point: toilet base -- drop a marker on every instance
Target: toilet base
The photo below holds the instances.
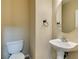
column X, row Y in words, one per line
column 27, row 56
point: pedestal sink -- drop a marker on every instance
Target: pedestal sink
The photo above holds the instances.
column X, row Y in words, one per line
column 62, row 46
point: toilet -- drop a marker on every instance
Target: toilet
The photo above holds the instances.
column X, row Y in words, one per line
column 15, row 49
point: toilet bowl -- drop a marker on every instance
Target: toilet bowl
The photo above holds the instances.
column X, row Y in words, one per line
column 15, row 48
column 17, row 56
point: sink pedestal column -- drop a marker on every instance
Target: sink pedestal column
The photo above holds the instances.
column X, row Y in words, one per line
column 60, row 54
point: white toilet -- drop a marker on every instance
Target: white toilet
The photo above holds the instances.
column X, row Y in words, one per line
column 15, row 48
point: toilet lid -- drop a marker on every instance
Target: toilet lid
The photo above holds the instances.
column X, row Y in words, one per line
column 17, row 56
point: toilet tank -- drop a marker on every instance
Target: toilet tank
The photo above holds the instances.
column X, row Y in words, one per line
column 15, row 46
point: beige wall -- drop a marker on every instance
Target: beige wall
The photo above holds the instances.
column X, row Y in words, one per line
column 68, row 24
column 72, row 36
column 29, row 14
column 43, row 33
column 68, row 15
column 57, row 6
column 40, row 35
column 15, row 13
column 73, row 55
column 32, row 28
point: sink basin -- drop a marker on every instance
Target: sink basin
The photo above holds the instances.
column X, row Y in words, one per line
column 62, row 46
column 59, row 44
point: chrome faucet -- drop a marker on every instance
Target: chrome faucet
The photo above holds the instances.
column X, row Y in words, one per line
column 63, row 39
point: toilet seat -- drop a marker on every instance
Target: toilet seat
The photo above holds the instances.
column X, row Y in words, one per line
column 17, row 56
